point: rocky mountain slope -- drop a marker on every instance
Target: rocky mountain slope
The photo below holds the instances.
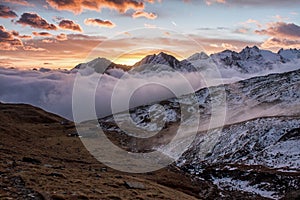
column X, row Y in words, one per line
column 260, row 156
column 257, row 151
column 42, row 158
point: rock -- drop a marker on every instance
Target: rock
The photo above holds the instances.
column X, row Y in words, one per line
column 64, row 122
column 103, row 169
column 134, row 185
column 57, row 197
column 31, row 160
column 82, row 197
column 73, row 134
column 57, row 174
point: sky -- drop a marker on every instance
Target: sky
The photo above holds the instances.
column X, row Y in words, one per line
column 62, row 33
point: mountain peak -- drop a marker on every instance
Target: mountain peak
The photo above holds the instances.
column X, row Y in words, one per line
column 289, row 54
column 250, row 52
column 198, row 56
column 162, row 54
column 161, row 58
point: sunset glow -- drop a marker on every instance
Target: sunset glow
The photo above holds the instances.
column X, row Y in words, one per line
column 52, row 34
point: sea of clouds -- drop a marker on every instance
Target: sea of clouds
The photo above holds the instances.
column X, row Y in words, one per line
column 52, row 90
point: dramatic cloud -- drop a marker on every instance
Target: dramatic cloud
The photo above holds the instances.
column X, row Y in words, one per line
column 77, row 6
column 99, row 22
column 8, row 40
column 42, row 34
column 147, row 15
column 6, row 12
column 35, row 21
column 281, row 30
column 69, row 25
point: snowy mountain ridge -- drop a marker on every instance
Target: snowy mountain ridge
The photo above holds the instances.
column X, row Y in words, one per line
column 248, row 60
column 257, row 151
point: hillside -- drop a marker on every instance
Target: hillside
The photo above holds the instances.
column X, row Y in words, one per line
column 41, row 158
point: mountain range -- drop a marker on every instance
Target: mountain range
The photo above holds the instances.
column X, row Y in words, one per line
column 248, row 60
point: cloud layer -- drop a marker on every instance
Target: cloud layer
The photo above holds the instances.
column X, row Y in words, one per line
column 53, row 90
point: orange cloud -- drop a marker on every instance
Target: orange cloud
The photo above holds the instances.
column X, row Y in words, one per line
column 280, row 43
column 147, row 15
column 99, row 22
column 210, row 2
column 31, row 48
column 8, row 40
column 72, row 49
column 252, row 21
column 77, row 6
column 6, row 12
column 150, row 25
column 63, row 53
column 42, row 34
column 48, row 40
column 25, row 36
column 281, row 30
column 167, row 33
column 283, row 35
column 20, row 2
column 61, row 37
column 35, row 21
column 241, row 30
column 69, row 25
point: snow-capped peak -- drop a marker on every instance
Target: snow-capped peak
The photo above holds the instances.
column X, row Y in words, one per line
column 198, row 56
column 98, row 64
column 289, row 54
column 161, row 58
column 250, row 52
